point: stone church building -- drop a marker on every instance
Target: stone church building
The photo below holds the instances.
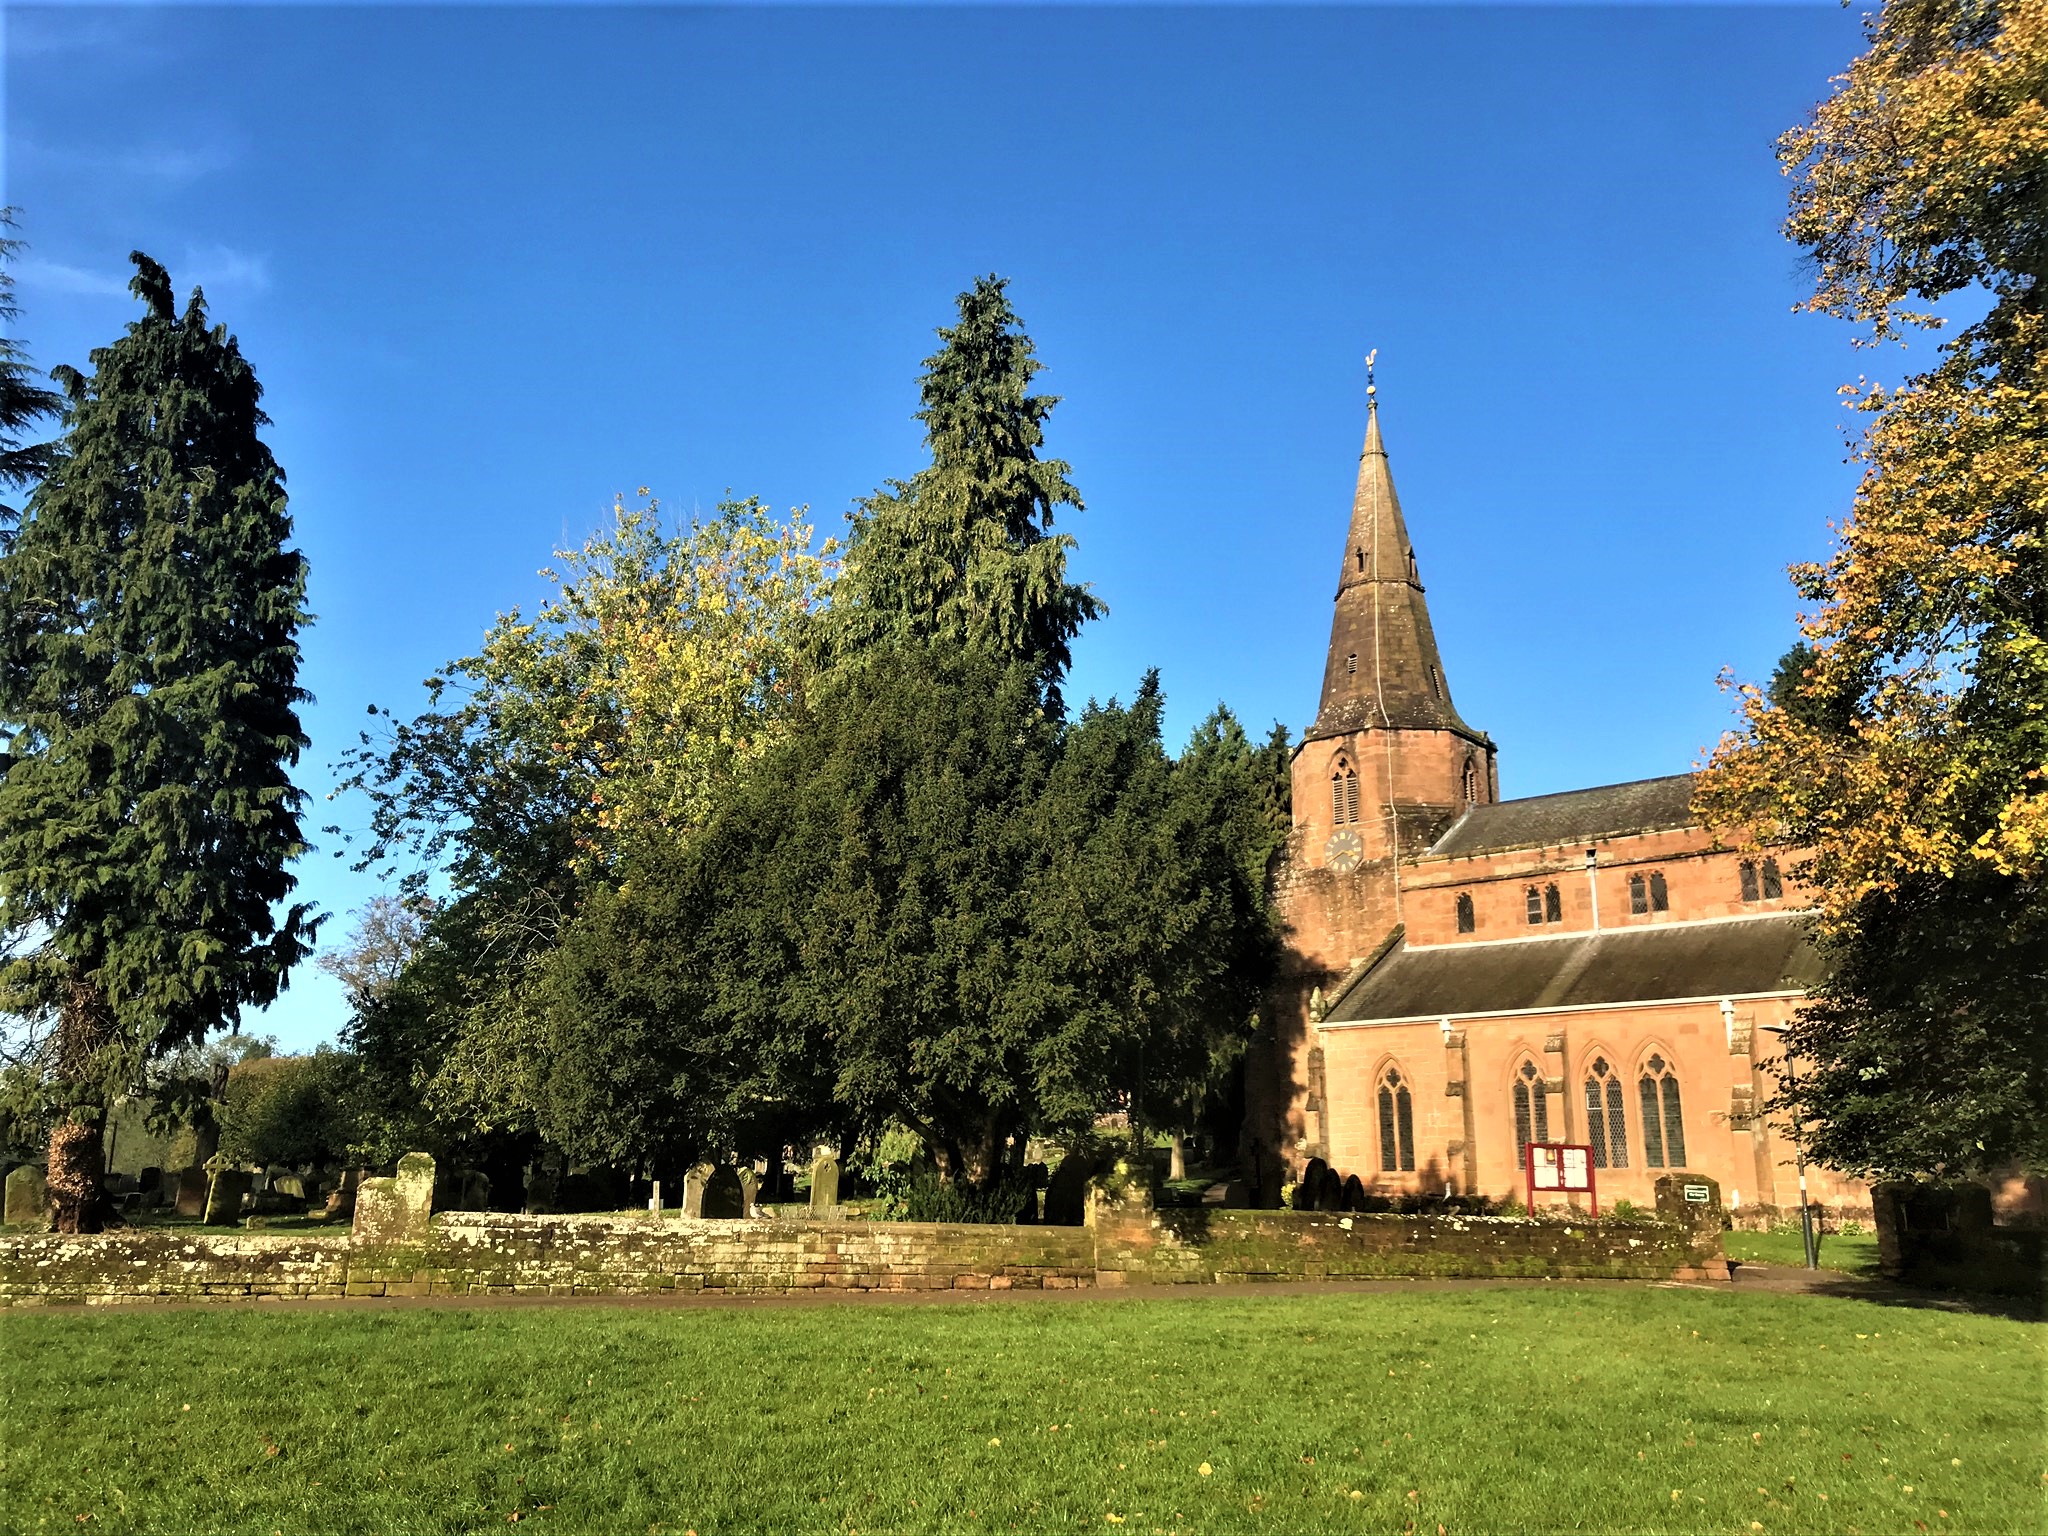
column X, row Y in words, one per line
column 1466, row 974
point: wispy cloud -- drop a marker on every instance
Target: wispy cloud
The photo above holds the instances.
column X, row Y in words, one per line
column 224, row 267
column 168, row 165
column 33, row 272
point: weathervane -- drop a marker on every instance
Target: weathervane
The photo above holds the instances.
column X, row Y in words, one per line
column 1371, row 389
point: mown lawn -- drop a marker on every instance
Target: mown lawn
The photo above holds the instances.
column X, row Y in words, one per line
column 1853, row 1253
column 1511, row 1409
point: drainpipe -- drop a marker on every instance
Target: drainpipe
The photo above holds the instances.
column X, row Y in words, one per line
column 1593, row 885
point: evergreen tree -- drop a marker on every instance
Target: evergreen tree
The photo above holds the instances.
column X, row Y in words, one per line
column 149, row 614
column 964, row 552
column 23, row 403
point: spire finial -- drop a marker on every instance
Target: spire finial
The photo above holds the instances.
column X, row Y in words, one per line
column 1372, row 389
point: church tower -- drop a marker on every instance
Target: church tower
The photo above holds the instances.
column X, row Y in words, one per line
column 1386, row 765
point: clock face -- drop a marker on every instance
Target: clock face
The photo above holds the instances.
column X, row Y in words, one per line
column 1345, row 851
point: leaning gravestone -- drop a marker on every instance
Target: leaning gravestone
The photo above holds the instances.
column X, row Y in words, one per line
column 290, row 1186
column 1308, row 1193
column 191, row 1192
column 224, row 1197
column 750, row 1191
column 693, row 1190
column 724, row 1199
column 396, row 1210
column 824, row 1187
column 28, row 1197
column 1066, row 1192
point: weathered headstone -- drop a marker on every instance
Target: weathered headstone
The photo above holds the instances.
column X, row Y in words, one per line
column 151, row 1186
column 824, row 1187
column 397, row 1210
column 693, row 1190
column 750, row 1191
column 289, row 1185
column 224, row 1196
column 724, row 1198
column 191, row 1192
column 1354, row 1193
column 1066, row 1192
column 28, row 1197
column 1309, row 1191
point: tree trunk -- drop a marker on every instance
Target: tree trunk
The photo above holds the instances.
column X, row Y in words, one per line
column 77, row 1157
column 75, row 1167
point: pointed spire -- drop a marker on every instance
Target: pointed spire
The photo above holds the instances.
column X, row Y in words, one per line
column 1384, row 669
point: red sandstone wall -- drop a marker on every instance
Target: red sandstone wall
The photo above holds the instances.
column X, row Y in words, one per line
column 1465, row 1134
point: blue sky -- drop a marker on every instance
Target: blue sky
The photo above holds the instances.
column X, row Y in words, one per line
column 496, row 265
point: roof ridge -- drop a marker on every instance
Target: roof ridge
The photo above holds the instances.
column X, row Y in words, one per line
column 1589, row 789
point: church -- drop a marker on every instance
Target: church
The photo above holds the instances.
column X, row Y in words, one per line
column 1465, row 975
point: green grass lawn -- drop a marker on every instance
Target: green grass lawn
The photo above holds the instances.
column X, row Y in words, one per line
column 1853, row 1253
column 1511, row 1409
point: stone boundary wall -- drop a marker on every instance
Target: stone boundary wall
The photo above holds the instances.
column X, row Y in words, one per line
column 482, row 1254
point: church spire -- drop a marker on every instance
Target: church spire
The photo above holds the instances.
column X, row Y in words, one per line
column 1384, row 670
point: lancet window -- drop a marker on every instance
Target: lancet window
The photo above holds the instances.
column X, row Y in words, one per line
column 1663, row 1116
column 1397, row 1124
column 1606, row 1120
column 1532, row 1110
column 1344, row 795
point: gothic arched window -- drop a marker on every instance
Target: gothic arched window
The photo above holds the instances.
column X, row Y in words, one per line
column 1535, row 905
column 1748, row 872
column 1532, row 1110
column 1663, row 1118
column 1471, row 784
column 1466, row 922
column 1397, row 1125
column 1343, row 795
column 1660, row 893
column 1638, row 896
column 1553, row 905
column 1774, row 884
column 1606, row 1123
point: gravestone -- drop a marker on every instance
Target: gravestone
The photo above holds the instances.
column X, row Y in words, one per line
column 1329, row 1190
column 28, row 1196
column 191, row 1192
column 1066, row 1192
column 1354, row 1193
column 151, row 1186
column 724, row 1198
column 1309, row 1191
column 397, row 1210
column 289, row 1185
column 824, row 1188
column 224, row 1197
column 693, row 1190
column 750, row 1191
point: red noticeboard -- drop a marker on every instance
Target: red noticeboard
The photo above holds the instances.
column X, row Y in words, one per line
column 1560, row 1168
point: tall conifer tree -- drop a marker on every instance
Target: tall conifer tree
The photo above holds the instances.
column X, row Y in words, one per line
column 149, row 614
column 964, row 553
column 23, row 402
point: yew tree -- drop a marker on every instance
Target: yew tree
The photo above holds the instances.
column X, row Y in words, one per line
column 1904, row 742
column 150, row 607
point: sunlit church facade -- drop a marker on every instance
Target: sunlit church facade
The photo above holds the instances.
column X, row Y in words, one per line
column 1467, row 974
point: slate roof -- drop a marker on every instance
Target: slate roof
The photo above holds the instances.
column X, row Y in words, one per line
column 1731, row 957
column 1575, row 816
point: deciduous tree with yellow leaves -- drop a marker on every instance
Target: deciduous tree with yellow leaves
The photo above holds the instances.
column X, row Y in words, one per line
column 1904, row 741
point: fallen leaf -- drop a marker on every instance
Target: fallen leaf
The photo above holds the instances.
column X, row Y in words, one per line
column 1205, row 1469
column 995, row 1440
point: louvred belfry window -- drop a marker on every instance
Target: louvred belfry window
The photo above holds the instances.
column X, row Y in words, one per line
column 1532, row 1110
column 1344, row 796
column 1606, row 1121
column 1397, row 1125
column 1663, row 1117
column 1471, row 782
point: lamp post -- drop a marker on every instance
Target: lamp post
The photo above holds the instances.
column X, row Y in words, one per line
column 1798, row 1152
